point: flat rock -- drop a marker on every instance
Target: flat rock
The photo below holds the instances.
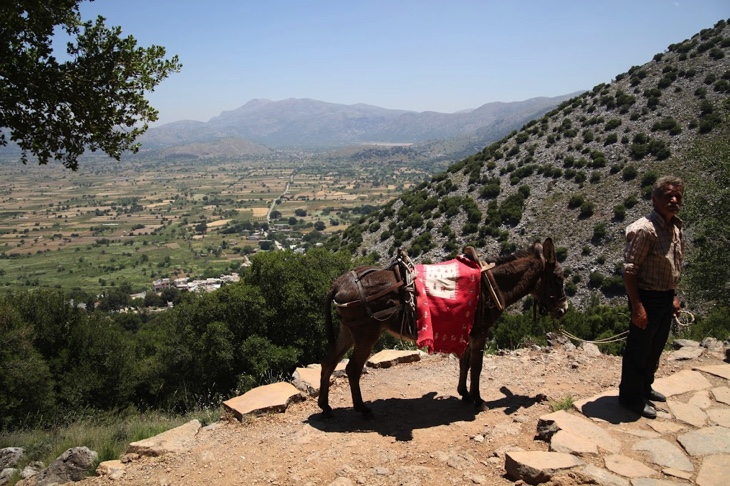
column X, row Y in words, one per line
column 268, row 398
column 721, row 394
column 534, row 467
column 179, row 439
column 683, row 343
column 665, row 427
column 637, row 432
column 706, row 441
column 663, row 453
column 669, row 471
column 564, row 441
column 389, row 357
column 604, row 477
column 714, row 471
column 627, row 467
column 654, row 482
column 687, row 413
column 720, row 416
column 307, row 380
column 701, row 399
column 604, row 407
column 681, row 382
column 723, row 371
column 112, row 469
column 683, row 354
column 584, row 428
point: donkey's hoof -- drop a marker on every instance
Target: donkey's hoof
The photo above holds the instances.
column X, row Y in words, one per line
column 366, row 412
column 326, row 411
column 466, row 399
column 481, row 406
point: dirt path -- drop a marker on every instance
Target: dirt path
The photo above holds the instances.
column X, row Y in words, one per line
column 422, row 433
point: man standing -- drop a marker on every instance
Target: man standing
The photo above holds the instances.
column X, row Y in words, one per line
column 652, row 262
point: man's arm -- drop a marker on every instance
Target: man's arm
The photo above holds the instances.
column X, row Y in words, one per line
column 638, row 313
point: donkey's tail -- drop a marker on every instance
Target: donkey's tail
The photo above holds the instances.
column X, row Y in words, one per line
column 329, row 328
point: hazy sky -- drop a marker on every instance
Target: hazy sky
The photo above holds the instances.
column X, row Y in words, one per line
column 419, row 55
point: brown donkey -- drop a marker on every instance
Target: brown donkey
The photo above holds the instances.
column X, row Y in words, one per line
column 371, row 300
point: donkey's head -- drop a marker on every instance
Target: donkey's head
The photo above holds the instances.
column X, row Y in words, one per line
column 549, row 293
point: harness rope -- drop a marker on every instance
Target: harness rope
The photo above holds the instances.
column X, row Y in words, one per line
column 680, row 323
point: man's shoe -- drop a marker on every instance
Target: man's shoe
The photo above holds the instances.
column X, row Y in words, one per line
column 655, row 396
column 640, row 408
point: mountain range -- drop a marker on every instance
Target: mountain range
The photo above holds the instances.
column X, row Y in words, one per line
column 261, row 126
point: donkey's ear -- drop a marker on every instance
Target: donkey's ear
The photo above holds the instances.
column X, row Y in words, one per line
column 548, row 250
column 471, row 253
column 537, row 249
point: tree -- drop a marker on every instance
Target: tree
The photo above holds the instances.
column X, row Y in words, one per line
column 707, row 214
column 94, row 100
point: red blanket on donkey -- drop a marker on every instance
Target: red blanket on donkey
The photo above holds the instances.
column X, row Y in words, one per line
column 447, row 300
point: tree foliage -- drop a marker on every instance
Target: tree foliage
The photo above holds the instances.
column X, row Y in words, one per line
column 56, row 109
column 707, row 214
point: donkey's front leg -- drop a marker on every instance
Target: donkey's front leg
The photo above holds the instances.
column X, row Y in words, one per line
column 476, row 343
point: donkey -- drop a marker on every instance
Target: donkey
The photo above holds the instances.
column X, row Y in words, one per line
column 370, row 301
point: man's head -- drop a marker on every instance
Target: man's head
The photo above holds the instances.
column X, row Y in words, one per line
column 667, row 196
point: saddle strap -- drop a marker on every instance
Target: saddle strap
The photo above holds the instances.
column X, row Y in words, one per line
column 494, row 291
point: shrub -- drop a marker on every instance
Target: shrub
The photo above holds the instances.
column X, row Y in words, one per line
column 619, row 212
column 576, row 200
column 586, row 209
column 630, row 172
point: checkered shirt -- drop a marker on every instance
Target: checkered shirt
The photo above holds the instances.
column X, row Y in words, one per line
column 653, row 251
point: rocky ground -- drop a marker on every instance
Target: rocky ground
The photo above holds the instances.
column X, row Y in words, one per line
column 422, row 433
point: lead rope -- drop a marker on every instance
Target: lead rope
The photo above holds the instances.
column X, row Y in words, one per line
column 680, row 322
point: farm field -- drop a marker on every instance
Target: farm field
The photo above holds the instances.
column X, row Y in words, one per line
column 116, row 223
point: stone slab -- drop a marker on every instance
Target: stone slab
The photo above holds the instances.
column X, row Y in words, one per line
column 583, row 428
column 534, row 467
column 721, row 394
column 701, row 399
column 177, row 440
column 663, row 453
column 677, row 473
column 627, row 467
column 706, row 441
column 723, row 371
column 564, row 441
column 665, row 427
column 654, row 482
column 603, row 477
column 268, row 398
column 307, row 380
column 684, row 354
column 113, row 469
column 389, row 357
column 720, row 416
column 687, row 413
column 714, row 471
column 681, row 382
column 604, row 407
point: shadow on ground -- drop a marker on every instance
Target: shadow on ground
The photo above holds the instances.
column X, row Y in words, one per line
column 399, row 417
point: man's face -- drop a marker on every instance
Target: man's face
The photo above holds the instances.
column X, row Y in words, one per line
column 669, row 201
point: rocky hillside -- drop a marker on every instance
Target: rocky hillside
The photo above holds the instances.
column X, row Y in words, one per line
column 579, row 174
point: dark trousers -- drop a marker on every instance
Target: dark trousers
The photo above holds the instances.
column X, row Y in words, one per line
column 644, row 346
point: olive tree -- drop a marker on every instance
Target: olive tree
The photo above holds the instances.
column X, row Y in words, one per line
column 55, row 105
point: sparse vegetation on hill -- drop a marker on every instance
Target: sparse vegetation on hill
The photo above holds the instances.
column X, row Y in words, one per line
column 579, row 173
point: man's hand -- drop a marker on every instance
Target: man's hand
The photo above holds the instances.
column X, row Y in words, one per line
column 638, row 316
column 677, row 306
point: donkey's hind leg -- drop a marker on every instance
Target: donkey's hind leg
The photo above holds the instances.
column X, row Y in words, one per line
column 343, row 343
column 464, row 363
column 365, row 340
